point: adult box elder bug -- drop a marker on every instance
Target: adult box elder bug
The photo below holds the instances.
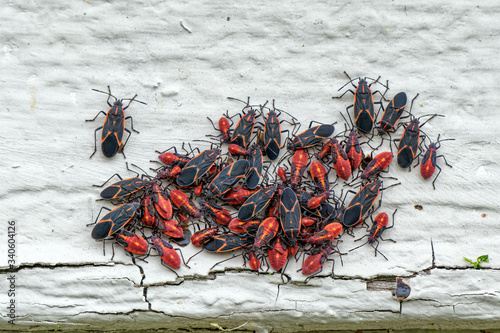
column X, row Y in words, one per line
column 410, row 141
column 363, row 105
column 115, row 220
column 113, row 127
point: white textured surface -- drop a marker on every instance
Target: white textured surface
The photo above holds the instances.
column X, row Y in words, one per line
column 54, row 52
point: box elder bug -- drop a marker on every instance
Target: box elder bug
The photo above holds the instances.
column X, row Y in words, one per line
column 363, row 105
column 429, row 161
column 290, row 215
column 378, row 164
column 243, row 130
column 311, row 136
column 227, row 178
column 113, row 127
column 256, row 203
column 197, row 167
column 410, row 141
column 361, row 203
column 392, row 113
column 115, row 220
column 375, row 232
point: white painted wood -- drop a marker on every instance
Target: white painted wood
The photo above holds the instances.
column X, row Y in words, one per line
column 184, row 59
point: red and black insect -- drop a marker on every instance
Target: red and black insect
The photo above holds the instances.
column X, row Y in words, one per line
column 267, row 230
column 161, row 201
column 131, row 242
column 290, row 215
column 114, row 126
column 375, row 232
column 236, row 150
column 256, row 203
column 226, row 243
column 123, row 187
column 169, row 256
column 168, row 174
column 429, row 162
column 272, row 134
column 392, row 113
column 241, row 227
column 255, row 171
column 311, row 136
column 361, row 203
column 203, row 236
column 197, row 167
column 115, row 220
column 353, row 150
column 216, row 212
column 243, row 130
column 277, row 254
column 149, row 216
column 228, row 177
column 315, row 261
column 378, row 164
column 300, row 160
column 363, row 105
column 182, row 201
column 173, row 159
column 170, row 228
column 224, row 129
column 410, row 142
column 326, row 235
column 238, row 195
column 340, row 160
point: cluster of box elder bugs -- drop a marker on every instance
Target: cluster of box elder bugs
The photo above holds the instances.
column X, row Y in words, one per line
column 273, row 195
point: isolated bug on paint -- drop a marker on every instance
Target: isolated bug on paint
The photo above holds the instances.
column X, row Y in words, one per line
column 429, row 161
column 375, row 232
column 115, row 220
column 113, row 127
column 363, row 105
